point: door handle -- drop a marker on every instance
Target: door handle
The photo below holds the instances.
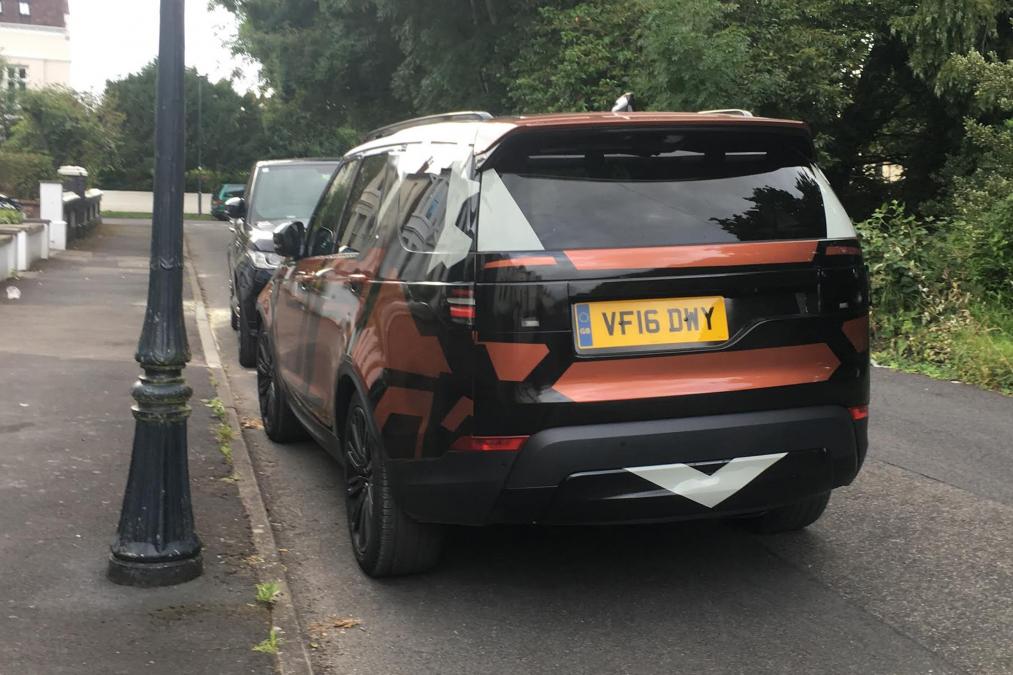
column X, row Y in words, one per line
column 355, row 282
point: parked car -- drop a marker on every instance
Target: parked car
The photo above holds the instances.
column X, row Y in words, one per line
column 224, row 193
column 583, row 318
column 9, row 203
column 282, row 190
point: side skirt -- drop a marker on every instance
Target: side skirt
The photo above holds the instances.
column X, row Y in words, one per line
column 325, row 437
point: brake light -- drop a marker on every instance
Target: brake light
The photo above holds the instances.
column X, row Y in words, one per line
column 489, row 443
column 461, row 303
column 859, row 412
column 838, row 249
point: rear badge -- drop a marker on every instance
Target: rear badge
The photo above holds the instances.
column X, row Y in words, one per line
column 707, row 490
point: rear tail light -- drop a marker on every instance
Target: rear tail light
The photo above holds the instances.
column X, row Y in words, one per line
column 859, row 412
column 489, row 443
column 461, row 303
column 842, row 249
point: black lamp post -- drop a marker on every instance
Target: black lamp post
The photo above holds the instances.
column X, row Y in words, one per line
column 156, row 544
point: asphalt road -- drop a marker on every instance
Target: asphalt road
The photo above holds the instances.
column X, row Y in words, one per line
column 909, row 571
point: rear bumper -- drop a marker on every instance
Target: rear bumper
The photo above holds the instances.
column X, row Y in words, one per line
column 642, row 471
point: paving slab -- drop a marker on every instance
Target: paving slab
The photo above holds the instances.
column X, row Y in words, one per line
column 66, row 369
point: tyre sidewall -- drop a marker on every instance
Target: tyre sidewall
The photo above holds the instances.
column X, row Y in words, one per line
column 368, row 558
column 247, row 339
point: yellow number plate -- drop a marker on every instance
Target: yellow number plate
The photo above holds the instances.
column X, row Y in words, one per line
column 629, row 324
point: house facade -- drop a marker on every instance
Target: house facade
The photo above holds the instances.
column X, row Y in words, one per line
column 34, row 43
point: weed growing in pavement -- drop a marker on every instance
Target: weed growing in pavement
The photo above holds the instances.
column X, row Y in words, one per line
column 268, row 592
column 223, row 432
column 216, row 407
column 270, row 644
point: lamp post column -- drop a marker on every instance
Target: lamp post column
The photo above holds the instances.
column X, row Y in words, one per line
column 155, row 543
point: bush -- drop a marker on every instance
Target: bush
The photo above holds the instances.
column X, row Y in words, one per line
column 929, row 312
column 984, row 242
column 10, row 217
column 20, row 173
column 916, row 299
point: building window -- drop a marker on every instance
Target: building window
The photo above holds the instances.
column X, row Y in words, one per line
column 25, row 8
column 17, row 78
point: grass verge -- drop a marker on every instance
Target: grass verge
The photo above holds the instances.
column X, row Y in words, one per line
column 979, row 352
column 145, row 216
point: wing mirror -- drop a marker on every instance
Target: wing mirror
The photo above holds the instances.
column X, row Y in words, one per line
column 235, row 207
column 288, row 239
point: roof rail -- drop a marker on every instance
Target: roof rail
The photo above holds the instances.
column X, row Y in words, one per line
column 460, row 116
column 727, row 111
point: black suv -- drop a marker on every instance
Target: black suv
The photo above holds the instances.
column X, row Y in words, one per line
column 278, row 191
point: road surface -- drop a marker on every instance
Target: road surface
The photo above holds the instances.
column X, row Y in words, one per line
column 909, row 571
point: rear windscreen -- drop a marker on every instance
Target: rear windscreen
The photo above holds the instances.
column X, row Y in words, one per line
column 650, row 187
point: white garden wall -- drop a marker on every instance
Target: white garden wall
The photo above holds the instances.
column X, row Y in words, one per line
column 140, row 202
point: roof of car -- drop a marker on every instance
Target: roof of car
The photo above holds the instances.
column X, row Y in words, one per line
column 608, row 118
column 300, row 160
column 484, row 133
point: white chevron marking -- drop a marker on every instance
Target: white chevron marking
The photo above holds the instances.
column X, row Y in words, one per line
column 711, row 490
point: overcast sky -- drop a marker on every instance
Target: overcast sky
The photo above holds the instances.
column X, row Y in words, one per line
column 113, row 38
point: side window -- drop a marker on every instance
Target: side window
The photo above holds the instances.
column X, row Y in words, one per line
column 423, row 206
column 438, row 195
column 359, row 225
column 324, row 226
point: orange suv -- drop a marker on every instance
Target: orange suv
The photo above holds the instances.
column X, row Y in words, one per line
column 584, row 318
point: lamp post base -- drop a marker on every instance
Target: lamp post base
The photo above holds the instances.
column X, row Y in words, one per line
column 152, row 574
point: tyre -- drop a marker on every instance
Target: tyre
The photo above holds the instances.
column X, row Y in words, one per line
column 385, row 540
column 233, row 311
column 247, row 339
column 791, row 517
column 280, row 423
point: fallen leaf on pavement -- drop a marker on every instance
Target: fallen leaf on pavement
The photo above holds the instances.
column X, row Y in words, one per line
column 320, row 629
column 347, row 622
column 252, row 423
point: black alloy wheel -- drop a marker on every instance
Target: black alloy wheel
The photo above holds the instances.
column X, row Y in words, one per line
column 280, row 423
column 359, row 480
column 386, row 541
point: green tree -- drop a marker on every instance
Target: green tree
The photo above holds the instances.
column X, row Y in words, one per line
column 862, row 74
column 326, row 64
column 578, row 58
column 339, row 64
column 68, row 128
column 223, row 128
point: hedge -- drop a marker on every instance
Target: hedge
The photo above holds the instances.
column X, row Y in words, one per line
column 20, row 173
column 10, row 217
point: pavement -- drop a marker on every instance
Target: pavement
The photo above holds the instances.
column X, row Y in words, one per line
column 66, row 358
column 909, row 571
